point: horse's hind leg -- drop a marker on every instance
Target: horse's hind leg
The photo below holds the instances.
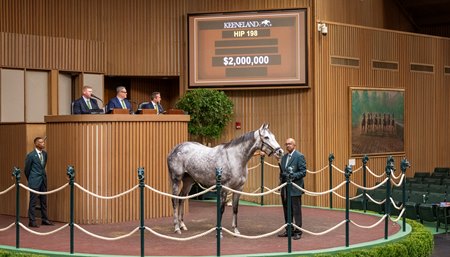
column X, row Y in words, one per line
column 235, row 212
column 187, row 185
column 175, row 205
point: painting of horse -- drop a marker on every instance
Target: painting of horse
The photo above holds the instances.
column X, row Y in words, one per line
column 192, row 162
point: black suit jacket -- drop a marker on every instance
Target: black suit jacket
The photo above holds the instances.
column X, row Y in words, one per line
column 80, row 106
column 298, row 165
column 35, row 170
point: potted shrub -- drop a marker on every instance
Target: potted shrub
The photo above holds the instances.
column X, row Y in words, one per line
column 210, row 112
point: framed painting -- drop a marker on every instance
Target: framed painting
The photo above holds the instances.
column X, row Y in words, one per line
column 377, row 121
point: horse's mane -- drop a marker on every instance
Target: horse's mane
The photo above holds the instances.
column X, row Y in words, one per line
column 237, row 141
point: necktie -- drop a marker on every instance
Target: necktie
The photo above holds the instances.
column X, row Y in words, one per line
column 41, row 158
column 156, row 107
column 89, row 103
column 288, row 159
column 123, row 104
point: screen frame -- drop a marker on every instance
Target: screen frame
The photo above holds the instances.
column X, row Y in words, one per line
column 262, row 84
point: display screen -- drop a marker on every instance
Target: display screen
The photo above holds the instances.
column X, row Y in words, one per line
column 242, row 49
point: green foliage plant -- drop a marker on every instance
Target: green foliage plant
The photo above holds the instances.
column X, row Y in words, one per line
column 419, row 243
column 210, row 111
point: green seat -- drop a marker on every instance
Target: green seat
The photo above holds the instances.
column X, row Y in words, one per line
column 421, row 174
column 432, row 180
column 415, row 198
column 427, row 210
column 397, row 196
column 442, row 170
column 439, row 175
column 418, row 187
column 443, row 217
column 358, row 203
column 413, row 180
column 446, row 181
column 432, row 188
column 378, row 195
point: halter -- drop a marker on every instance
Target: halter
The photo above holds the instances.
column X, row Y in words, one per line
column 272, row 150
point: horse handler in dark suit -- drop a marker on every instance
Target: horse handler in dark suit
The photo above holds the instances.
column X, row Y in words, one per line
column 35, row 163
column 295, row 160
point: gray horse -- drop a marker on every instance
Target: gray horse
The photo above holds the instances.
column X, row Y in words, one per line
column 191, row 162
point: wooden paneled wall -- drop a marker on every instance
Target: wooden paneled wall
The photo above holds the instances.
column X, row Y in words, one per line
column 137, row 37
column 44, row 52
column 16, row 141
column 371, row 13
column 427, row 112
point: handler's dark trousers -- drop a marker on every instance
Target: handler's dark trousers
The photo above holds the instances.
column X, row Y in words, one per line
column 296, row 209
column 42, row 200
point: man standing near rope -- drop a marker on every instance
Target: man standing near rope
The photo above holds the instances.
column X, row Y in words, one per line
column 35, row 163
column 295, row 160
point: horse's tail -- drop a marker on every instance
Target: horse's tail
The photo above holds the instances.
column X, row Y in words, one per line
column 173, row 164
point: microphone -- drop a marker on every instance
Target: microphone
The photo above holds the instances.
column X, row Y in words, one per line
column 96, row 97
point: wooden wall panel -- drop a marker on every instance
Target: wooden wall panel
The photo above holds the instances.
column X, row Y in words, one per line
column 371, row 13
column 116, row 37
column 43, row 52
column 17, row 141
column 14, row 139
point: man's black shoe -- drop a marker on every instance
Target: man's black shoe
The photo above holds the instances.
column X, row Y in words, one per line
column 284, row 234
column 33, row 224
column 47, row 223
column 297, row 236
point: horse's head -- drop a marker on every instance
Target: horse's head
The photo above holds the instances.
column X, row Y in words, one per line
column 269, row 144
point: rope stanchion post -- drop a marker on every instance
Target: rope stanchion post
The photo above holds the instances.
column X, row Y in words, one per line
column 141, row 177
column 219, row 209
column 330, row 167
column 387, row 203
column 16, row 173
column 364, row 161
column 403, row 166
column 348, row 172
column 71, row 175
column 289, row 210
column 262, row 179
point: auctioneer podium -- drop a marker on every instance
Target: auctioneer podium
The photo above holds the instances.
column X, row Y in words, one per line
column 106, row 151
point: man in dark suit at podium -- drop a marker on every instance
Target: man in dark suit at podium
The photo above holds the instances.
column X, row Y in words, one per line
column 120, row 101
column 85, row 103
column 155, row 103
column 35, row 163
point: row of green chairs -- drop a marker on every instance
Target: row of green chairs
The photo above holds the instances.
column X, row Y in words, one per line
column 422, row 205
column 429, row 180
column 430, row 188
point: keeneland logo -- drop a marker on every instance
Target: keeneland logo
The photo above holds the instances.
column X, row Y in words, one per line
column 246, row 24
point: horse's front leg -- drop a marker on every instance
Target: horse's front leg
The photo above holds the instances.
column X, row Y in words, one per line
column 235, row 212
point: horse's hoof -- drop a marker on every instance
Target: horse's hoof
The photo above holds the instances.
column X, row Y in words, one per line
column 177, row 231
column 184, row 228
column 236, row 231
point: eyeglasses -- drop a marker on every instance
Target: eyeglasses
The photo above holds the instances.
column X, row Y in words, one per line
column 125, row 92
